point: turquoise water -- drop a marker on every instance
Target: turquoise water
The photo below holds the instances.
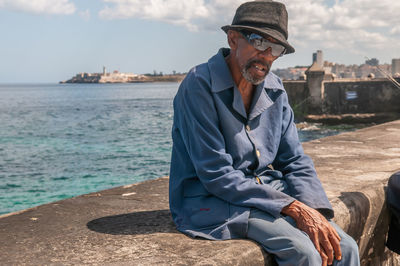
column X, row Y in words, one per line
column 62, row 140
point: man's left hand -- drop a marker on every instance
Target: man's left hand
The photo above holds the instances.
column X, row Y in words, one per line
column 324, row 236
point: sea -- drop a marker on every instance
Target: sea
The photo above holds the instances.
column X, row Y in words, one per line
column 62, row 140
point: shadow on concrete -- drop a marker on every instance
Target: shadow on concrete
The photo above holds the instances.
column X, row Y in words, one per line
column 146, row 222
column 359, row 206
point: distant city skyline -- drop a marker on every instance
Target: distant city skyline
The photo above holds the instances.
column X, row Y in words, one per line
column 52, row 40
column 370, row 69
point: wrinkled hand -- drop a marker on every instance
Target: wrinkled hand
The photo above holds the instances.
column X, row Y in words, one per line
column 321, row 232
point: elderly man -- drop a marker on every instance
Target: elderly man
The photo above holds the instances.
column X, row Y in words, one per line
column 238, row 169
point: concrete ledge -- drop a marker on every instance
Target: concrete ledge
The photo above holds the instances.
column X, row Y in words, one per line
column 132, row 225
column 364, row 118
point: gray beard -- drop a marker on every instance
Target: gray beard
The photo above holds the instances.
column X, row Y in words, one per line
column 246, row 73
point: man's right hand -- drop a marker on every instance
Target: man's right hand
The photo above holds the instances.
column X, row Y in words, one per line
column 324, row 236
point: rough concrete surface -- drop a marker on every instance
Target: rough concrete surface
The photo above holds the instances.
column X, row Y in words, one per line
column 131, row 225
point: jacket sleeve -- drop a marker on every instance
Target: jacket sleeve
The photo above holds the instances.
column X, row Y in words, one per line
column 198, row 124
column 298, row 168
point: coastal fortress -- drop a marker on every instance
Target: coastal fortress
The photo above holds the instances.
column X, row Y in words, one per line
column 119, row 77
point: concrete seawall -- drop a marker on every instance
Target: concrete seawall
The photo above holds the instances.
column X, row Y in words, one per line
column 316, row 96
column 131, row 225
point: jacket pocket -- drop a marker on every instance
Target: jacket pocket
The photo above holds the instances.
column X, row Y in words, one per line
column 202, row 209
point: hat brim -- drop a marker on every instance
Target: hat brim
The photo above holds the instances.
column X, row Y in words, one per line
column 265, row 32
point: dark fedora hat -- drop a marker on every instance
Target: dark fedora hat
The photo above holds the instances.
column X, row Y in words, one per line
column 263, row 17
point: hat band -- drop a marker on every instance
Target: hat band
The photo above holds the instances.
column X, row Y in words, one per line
column 261, row 26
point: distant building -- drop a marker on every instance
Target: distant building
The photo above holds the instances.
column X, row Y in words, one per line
column 291, row 73
column 372, row 62
column 396, row 67
column 363, row 70
column 371, row 69
column 348, row 75
column 318, row 57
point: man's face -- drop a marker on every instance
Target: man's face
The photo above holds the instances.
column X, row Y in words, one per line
column 254, row 64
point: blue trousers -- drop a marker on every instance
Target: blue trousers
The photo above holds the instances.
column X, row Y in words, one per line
column 291, row 246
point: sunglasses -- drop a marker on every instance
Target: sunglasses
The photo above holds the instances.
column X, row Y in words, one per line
column 262, row 44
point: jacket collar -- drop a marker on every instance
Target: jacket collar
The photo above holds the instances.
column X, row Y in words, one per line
column 221, row 78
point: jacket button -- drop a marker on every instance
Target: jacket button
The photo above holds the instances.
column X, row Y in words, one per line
column 258, row 153
column 247, row 128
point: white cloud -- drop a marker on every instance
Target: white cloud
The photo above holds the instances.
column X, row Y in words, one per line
column 357, row 25
column 56, row 7
column 192, row 14
column 352, row 25
column 395, row 30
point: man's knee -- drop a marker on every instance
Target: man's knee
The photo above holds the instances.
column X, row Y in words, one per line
column 304, row 253
column 349, row 250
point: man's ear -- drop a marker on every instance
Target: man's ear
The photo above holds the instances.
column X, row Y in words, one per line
column 232, row 39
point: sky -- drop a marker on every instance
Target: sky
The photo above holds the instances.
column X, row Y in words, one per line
column 52, row 40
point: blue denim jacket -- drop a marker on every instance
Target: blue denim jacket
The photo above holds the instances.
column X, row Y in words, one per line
column 222, row 158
